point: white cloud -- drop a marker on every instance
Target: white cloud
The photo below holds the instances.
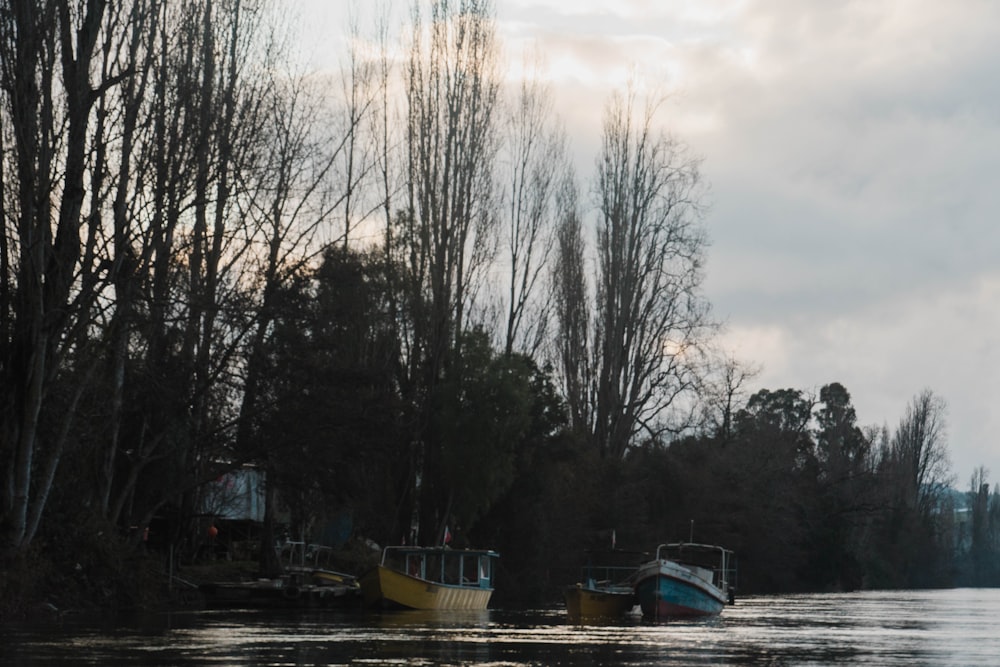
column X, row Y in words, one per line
column 852, row 159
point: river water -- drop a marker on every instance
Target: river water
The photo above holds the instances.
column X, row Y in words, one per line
column 947, row 627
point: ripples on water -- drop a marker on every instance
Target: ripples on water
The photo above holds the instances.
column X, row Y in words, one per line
column 953, row 627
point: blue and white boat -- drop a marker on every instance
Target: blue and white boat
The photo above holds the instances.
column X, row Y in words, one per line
column 686, row 579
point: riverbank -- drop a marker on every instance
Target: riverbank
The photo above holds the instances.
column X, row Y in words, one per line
column 51, row 583
column 37, row 585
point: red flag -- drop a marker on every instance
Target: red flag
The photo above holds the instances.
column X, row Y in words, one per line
column 447, row 535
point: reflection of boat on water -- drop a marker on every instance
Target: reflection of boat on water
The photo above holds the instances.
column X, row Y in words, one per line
column 406, row 619
column 606, row 590
column 431, row 578
column 686, row 579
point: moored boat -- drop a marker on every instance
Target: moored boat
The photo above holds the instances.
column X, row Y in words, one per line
column 606, row 590
column 304, row 589
column 431, row 578
column 686, row 579
column 595, row 601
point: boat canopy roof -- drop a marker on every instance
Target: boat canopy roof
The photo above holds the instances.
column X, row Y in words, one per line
column 677, row 550
column 693, row 546
column 615, row 557
column 430, row 551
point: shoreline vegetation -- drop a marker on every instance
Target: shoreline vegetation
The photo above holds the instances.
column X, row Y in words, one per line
column 86, row 572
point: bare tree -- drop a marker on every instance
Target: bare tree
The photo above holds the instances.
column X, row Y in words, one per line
column 920, row 453
column 723, row 392
column 296, row 194
column 451, row 90
column 357, row 158
column 149, row 212
column 139, row 28
column 534, row 159
column 157, row 185
column 572, row 310
column 651, row 317
column 50, row 52
column 384, row 139
column 197, row 150
column 228, row 117
column 982, row 543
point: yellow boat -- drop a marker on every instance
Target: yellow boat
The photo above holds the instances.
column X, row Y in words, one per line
column 597, row 601
column 606, row 590
column 431, row 578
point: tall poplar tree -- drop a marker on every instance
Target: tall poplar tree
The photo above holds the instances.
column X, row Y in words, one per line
column 452, row 86
column 651, row 316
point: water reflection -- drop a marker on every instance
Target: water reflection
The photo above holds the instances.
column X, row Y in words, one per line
column 958, row 627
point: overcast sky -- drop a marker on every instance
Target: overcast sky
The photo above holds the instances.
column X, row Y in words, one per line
column 852, row 149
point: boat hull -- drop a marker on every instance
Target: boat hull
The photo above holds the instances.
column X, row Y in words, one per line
column 583, row 603
column 666, row 589
column 386, row 587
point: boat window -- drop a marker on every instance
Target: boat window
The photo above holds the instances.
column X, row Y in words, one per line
column 395, row 560
column 484, row 568
column 452, row 569
column 434, row 570
column 413, row 562
column 470, row 569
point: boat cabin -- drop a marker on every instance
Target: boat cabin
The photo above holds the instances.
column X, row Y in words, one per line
column 710, row 563
column 441, row 565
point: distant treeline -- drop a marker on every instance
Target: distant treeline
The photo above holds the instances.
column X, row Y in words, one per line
column 384, row 291
column 807, row 499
